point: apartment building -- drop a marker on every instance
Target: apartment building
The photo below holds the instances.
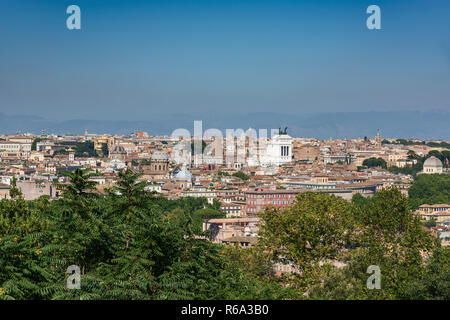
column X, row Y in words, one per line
column 257, row 200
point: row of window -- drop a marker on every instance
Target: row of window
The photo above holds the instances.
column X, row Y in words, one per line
column 15, row 147
column 206, row 195
column 272, row 202
column 439, row 209
column 272, row 196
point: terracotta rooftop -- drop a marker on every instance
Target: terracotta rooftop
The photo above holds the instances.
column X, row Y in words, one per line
column 274, row 191
column 434, row 206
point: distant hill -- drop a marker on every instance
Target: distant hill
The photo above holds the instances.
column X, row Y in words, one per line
column 395, row 124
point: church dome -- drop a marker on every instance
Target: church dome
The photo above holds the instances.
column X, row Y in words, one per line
column 183, row 174
column 118, row 149
column 160, row 155
column 433, row 162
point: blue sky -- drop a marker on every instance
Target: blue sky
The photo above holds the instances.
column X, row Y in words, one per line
column 133, row 59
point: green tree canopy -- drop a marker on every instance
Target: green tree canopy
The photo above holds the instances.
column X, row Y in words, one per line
column 430, row 189
column 375, row 162
column 311, row 233
column 241, row 175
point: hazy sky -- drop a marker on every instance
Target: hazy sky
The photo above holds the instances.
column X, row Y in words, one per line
column 135, row 58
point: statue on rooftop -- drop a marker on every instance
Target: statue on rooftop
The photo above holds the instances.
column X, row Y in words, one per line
column 282, row 131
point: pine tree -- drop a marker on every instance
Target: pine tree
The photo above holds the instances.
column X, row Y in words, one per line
column 14, row 191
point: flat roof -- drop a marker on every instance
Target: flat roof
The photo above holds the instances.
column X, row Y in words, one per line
column 234, row 220
column 275, row 191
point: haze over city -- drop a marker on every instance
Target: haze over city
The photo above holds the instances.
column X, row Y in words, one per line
column 152, row 60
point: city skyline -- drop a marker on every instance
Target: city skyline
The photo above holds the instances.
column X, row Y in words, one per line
column 399, row 124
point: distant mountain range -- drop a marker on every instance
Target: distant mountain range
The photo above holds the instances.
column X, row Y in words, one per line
column 395, row 124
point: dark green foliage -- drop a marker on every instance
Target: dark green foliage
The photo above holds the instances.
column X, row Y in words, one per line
column 35, row 141
column 435, row 281
column 133, row 244
column 321, row 231
column 375, row 162
column 128, row 243
column 205, row 214
column 143, row 162
column 360, row 201
column 14, row 191
column 406, row 142
column 241, row 175
column 391, row 237
column 313, row 231
column 430, row 189
column 430, row 223
column 105, row 150
column 442, row 144
column 63, row 151
column 411, row 170
column 85, row 149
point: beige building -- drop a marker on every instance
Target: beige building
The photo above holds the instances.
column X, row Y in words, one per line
column 21, row 139
column 210, row 195
column 32, row 190
column 233, row 209
column 14, row 150
column 400, row 159
column 305, row 152
column 4, row 191
column 159, row 164
column 238, row 231
column 37, row 156
column 401, row 163
column 100, row 141
column 438, row 212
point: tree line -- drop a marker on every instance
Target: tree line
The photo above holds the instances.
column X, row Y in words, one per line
column 130, row 243
column 413, row 169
